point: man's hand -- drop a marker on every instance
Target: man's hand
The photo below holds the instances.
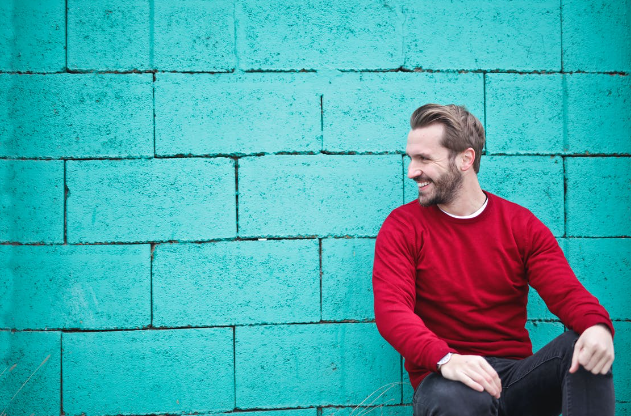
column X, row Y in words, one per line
column 593, row 350
column 475, row 372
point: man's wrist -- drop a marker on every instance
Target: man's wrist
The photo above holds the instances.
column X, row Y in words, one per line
column 443, row 361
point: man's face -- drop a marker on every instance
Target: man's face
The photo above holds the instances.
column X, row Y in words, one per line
column 431, row 166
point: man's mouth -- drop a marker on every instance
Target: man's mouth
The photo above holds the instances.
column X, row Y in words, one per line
column 422, row 184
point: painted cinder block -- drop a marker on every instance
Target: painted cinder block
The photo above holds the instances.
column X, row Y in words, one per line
column 596, row 35
column 150, row 200
column 371, row 112
column 541, row 333
column 30, row 354
column 313, row 364
column 317, row 195
column 598, row 196
column 109, row 34
column 76, row 115
column 141, row 372
column 622, row 363
column 347, row 279
column 598, row 116
column 316, row 34
column 524, row 113
column 87, row 287
column 196, row 35
column 237, row 282
column 312, row 411
column 33, row 35
column 500, row 35
column 535, row 182
column 32, row 201
column 379, row 410
column 603, row 265
column 204, row 114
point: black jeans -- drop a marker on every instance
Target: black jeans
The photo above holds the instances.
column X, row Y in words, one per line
column 539, row 385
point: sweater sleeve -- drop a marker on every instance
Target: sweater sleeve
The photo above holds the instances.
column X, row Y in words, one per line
column 394, row 288
column 550, row 274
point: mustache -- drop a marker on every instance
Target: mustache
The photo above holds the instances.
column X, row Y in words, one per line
column 421, row 179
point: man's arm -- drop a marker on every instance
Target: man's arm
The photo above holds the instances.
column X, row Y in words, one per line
column 394, row 287
column 550, row 274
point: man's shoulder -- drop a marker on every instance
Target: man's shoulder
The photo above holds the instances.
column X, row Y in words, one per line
column 507, row 207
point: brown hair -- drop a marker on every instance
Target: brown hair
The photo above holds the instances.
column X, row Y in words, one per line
column 462, row 129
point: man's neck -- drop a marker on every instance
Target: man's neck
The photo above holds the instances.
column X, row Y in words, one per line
column 470, row 198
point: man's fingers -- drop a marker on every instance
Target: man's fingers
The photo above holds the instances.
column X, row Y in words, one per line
column 577, row 350
column 494, row 376
column 468, row 381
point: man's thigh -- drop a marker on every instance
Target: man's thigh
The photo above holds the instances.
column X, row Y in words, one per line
column 534, row 385
column 437, row 396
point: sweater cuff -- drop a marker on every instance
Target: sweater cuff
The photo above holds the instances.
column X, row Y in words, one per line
column 437, row 355
column 591, row 320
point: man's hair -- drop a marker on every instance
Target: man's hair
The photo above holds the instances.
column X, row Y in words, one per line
column 462, row 129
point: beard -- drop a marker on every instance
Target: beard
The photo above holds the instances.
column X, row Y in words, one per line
column 446, row 187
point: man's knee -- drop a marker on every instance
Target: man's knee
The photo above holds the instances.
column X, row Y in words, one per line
column 439, row 396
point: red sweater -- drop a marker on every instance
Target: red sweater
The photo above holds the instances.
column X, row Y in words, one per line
column 443, row 284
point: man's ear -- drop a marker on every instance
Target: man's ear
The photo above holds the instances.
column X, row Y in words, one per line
column 467, row 157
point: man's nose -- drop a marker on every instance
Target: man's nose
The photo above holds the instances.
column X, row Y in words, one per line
column 413, row 171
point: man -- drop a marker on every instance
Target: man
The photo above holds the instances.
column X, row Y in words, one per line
column 450, row 280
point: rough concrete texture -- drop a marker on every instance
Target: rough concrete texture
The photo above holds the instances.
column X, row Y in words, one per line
column 598, row 116
column 110, row 35
column 35, row 355
column 146, row 146
column 598, row 194
column 88, row 287
column 307, row 365
column 236, row 114
column 76, row 115
column 196, row 35
column 32, row 36
column 483, row 34
column 347, row 279
column 524, row 113
column 141, row 372
column 32, row 201
column 265, row 281
column 326, row 195
column 150, row 200
column 603, row 265
column 587, row 46
column 293, row 34
column 374, row 410
column 369, row 112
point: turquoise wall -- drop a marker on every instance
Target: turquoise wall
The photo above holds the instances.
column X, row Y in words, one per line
column 191, row 190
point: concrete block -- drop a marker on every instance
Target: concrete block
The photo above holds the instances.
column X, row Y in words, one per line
column 541, row 333
column 237, row 282
column 142, row 372
column 33, row 37
column 150, row 200
column 313, row 365
column 596, row 35
column 87, row 287
column 380, row 410
column 603, row 265
column 598, row 196
column 226, row 114
column 500, row 35
column 35, row 355
column 524, row 113
column 195, row 35
column 328, row 195
column 535, row 182
column 371, row 112
column 32, row 201
column 622, row 363
column 314, row 34
column 347, row 279
column 598, row 116
column 110, row 35
column 76, row 115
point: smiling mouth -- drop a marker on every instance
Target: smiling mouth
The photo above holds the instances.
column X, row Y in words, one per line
column 422, row 184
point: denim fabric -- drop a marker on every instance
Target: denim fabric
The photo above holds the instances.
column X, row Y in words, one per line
column 539, row 385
